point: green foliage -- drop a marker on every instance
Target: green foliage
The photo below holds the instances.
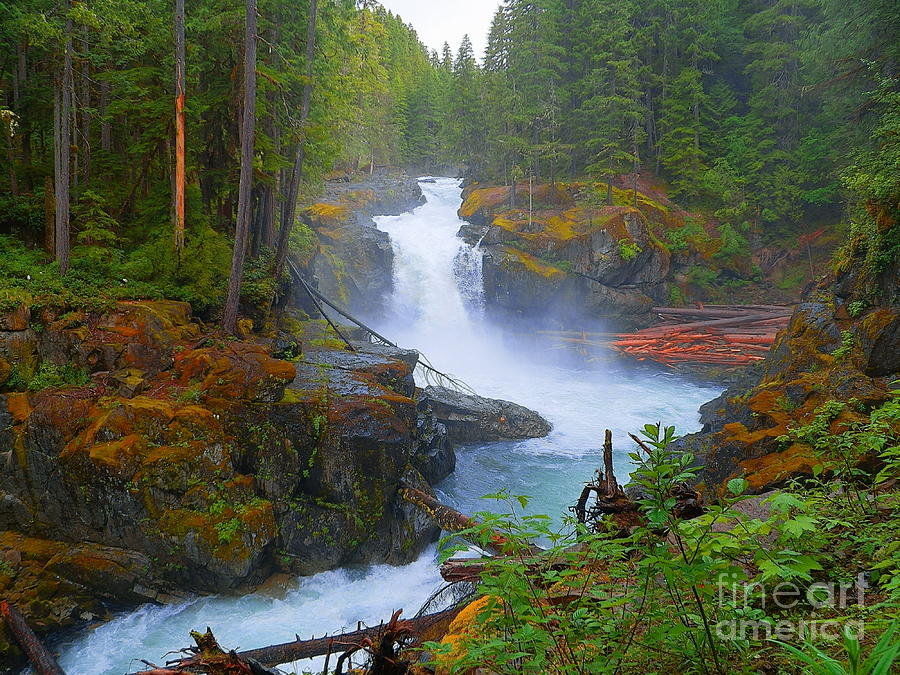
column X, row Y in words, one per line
column 227, row 530
column 879, row 662
column 734, row 244
column 303, row 242
column 702, row 276
column 48, row 376
column 658, row 581
column 848, row 341
column 843, row 452
column 691, row 234
column 629, row 250
column 856, row 308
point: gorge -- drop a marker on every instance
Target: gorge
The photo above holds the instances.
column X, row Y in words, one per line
column 435, row 308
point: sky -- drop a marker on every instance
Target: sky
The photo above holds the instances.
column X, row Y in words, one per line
column 437, row 21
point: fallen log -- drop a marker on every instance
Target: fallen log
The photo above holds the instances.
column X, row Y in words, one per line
column 297, row 650
column 451, row 520
column 472, row 569
column 41, row 659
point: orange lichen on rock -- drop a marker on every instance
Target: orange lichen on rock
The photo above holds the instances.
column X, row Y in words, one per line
column 236, row 371
column 19, row 407
column 772, row 468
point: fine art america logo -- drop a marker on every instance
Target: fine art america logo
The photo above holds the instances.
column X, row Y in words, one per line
column 753, row 604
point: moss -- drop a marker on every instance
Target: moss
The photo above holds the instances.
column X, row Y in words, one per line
column 762, row 472
column 483, row 198
column 330, row 212
column 532, row 264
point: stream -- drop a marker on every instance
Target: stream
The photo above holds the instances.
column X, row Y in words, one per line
column 437, row 309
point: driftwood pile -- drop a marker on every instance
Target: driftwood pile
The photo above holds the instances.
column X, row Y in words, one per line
column 726, row 335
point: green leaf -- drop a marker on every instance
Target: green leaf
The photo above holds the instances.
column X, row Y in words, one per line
column 738, row 486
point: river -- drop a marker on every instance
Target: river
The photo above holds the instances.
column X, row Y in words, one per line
column 437, row 309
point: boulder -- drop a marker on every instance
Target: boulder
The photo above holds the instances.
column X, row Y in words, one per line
column 475, row 419
column 218, row 462
column 57, row 584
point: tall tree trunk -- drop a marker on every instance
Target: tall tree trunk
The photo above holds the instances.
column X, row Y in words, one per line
column 11, row 159
column 85, row 141
column 180, row 78
column 21, row 79
column 105, row 126
column 289, row 208
column 49, row 215
column 245, row 196
column 63, row 114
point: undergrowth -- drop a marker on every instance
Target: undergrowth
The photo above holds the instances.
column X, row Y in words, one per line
column 805, row 579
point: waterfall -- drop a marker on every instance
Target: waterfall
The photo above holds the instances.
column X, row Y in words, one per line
column 436, row 308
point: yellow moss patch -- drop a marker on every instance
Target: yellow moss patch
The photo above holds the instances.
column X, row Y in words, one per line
column 464, row 626
column 30, row 549
column 508, row 223
column 532, row 264
column 875, row 322
column 329, row 211
column 483, row 198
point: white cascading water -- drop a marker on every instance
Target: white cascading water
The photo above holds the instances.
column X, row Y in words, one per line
column 436, row 308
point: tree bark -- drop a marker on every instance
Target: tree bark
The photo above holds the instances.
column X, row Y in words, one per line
column 63, row 110
column 289, row 208
column 180, row 65
column 105, row 126
column 49, row 216
column 11, row 161
column 22, row 79
column 307, row 649
column 85, row 141
column 451, row 520
column 42, row 661
column 245, row 197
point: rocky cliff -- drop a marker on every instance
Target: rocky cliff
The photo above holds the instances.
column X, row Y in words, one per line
column 141, row 453
column 842, row 345
column 565, row 258
column 350, row 258
column 559, row 251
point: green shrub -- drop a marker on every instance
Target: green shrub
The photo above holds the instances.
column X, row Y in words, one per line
column 649, row 597
column 848, row 341
column 629, row 250
column 734, row 244
column 701, row 276
column 48, row 376
column 303, row 242
column 691, row 234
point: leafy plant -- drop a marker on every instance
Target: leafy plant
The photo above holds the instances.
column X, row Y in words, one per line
column 856, row 308
column 848, row 341
column 48, row 376
column 629, row 250
column 880, row 662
